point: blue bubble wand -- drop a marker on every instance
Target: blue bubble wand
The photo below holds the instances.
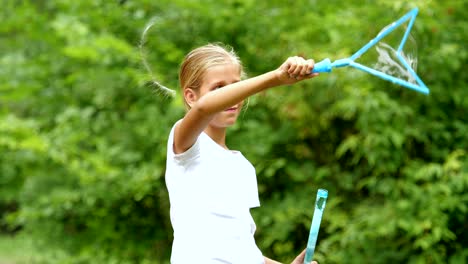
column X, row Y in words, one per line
column 320, row 202
column 326, row 65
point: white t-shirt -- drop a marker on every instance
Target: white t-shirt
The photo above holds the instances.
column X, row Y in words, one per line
column 211, row 191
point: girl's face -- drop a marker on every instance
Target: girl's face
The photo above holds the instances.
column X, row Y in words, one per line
column 215, row 78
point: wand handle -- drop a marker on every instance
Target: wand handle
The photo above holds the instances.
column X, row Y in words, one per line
column 322, row 66
column 320, row 202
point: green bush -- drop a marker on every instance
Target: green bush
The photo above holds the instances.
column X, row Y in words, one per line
column 83, row 134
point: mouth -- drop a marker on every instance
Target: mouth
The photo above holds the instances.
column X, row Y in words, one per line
column 231, row 109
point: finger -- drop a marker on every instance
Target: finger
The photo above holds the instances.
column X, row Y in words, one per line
column 300, row 258
column 310, row 65
column 299, row 78
column 300, row 65
column 307, row 67
column 304, row 70
column 312, row 75
column 292, row 65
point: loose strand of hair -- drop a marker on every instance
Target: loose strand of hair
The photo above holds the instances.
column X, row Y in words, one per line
column 153, row 83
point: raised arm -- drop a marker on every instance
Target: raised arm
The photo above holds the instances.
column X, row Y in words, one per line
column 203, row 109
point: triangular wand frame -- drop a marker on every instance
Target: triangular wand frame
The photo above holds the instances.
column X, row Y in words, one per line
column 326, row 65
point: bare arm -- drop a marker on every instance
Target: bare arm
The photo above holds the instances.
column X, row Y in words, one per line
column 201, row 113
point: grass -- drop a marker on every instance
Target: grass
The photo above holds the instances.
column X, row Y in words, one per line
column 15, row 250
column 21, row 249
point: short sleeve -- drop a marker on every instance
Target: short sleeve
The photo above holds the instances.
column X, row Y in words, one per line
column 191, row 154
column 182, row 158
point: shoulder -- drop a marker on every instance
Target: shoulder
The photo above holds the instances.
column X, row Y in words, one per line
column 190, row 154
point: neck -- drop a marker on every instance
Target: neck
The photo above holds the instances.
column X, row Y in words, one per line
column 217, row 134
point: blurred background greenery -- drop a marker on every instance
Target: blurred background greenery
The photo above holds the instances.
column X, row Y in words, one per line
column 83, row 135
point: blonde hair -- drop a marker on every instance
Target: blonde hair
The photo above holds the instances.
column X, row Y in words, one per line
column 195, row 64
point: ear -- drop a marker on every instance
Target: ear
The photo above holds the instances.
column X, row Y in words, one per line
column 190, row 96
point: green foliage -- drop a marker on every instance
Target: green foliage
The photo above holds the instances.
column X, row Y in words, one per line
column 83, row 135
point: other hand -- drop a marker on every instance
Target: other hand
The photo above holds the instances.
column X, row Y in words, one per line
column 300, row 259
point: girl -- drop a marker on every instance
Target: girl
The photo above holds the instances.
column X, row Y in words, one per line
column 212, row 188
